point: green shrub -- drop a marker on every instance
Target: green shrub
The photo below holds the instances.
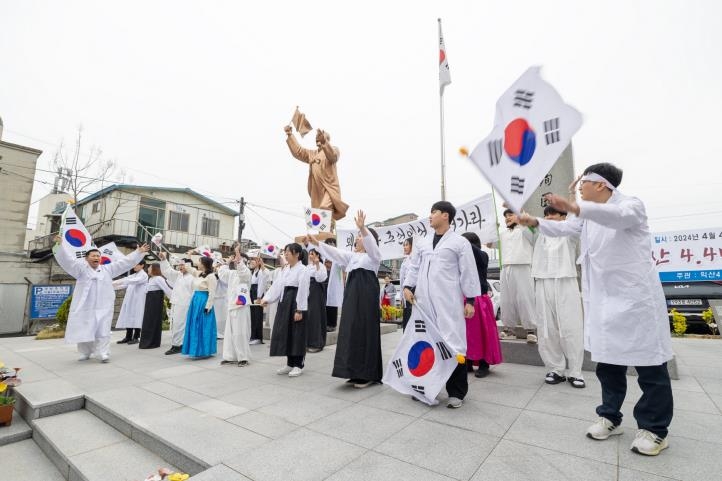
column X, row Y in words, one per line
column 62, row 315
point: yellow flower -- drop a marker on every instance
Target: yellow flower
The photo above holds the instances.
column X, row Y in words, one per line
column 178, row 477
column 461, row 359
column 3, row 387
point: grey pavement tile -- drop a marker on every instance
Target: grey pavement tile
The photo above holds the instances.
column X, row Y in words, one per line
column 220, row 472
column 172, row 392
column 24, row 460
column 717, row 399
column 694, row 401
column 131, row 402
column 703, row 371
column 264, row 424
column 566, row 435
column 710, row 385
column 393, row 401
column 562, row 403
column 211, row 383
column 257, row 397
column 514, row 396
column 97, row 381
column 174, row 371
column 303, row 408
column 362, row 425
column 632, row 475
column 307, row 456
column 52, row 390
column 309, row 381
column 119, row 462
column 511, row 375
column 219, row 409
column 685, row 459
column 482, row 417
column 78, row 432
column 511, row 461
column 699, row 426
column 377, row 467
column 342, row 390
column 444, row 449
column 201, row 435
column 687, row 383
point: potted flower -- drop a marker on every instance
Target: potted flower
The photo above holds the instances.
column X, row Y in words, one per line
column 8, row 380
column 165, row 474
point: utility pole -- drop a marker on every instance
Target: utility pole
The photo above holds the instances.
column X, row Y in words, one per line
column 241, row 221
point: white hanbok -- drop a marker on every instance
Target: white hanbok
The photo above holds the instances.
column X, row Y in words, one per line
column 182, row 285
column 625, row 314
column 131, row 311
column 220, row 306
column 517, row 285
column 559, row 305
column 334, row 291
column 91, row 310
column 238, row 322
column 443, row 277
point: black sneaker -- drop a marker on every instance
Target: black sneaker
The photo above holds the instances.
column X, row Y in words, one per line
column 481, row 372
column 173, row 350
column 123, row 341
column 133, row 341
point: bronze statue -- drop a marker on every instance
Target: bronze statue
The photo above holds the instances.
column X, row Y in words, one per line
column 323, row 186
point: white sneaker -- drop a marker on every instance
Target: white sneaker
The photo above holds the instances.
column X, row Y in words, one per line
column 531, row 339
column 505, row 336
column 602, row 429
column 84, row 357
column 253, row 342
column 648, row 443
column 284, row 370
column 454, row 403
column 295, row 372
column 105, row 358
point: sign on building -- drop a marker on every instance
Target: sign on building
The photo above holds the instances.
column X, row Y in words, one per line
column 45, row 299
column 689, row 255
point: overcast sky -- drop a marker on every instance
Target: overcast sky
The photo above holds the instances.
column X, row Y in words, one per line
column 196, row 94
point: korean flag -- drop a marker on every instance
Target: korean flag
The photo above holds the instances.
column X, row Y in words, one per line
column 422, row 362
column 318, row 220
column 533, row 126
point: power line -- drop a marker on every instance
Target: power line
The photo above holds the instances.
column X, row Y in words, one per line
column 269, row 223
column 277, row 210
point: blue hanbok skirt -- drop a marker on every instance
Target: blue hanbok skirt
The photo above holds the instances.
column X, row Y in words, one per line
column 201, row 334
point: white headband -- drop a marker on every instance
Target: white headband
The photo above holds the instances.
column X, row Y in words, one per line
column 592, row 177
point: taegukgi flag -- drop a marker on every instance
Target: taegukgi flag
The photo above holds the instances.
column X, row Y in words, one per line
column 444, row 73
column 204, row 251
column 318, row 219
column 109, row 253
column 75, row 238
column 533, row 126
column 422, row 362
column 270, row 250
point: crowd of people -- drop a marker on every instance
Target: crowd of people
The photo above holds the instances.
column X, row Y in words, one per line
column 444, row 274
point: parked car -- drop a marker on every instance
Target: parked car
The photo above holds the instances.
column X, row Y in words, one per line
column 692, row 299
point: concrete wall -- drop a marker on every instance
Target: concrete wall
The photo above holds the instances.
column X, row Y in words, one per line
column 17, row 171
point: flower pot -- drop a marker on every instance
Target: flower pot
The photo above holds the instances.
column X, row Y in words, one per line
column 6, row 415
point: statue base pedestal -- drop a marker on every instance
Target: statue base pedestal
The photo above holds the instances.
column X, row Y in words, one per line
column 321, row 236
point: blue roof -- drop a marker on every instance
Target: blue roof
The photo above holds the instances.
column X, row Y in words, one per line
column 186, row 190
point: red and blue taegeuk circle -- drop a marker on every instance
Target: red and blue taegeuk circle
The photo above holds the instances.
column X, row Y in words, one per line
column 271, row 248
column 421, row 358
column 241, row 300
column 75, row 237
column 519, row 141
column 315, row 219
column 105, row 260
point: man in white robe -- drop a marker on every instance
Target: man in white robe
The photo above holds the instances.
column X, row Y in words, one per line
column 443, row 272
column 236, row 347
column 559, row 305
column 625, row 314
column 91, row 310
column 131, row 312
column 517, row 301
column 181, row 281
column 220, row 304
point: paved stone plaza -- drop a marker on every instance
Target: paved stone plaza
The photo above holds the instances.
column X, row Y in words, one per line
column 143, row 410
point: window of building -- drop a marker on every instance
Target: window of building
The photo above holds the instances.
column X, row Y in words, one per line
column 210, row 227
column 96, row 207
column 178, row 221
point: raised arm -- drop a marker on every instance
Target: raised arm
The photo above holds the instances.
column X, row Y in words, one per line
column 118, row 267
column 304, row 155
column 629, row 212
column 71, row 265
column 334, row 254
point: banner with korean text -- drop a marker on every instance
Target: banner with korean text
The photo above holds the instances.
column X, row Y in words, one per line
column 476, row 216
column 688, row 255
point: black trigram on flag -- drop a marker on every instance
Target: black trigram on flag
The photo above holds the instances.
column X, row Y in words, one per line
column 418, row 389
column 494, row 147
column 443, row 350
column 107, row 251
column 399, row 368
column 322, row 227
column 517, row 185
column 551, row 130
column 80, row 254
column 420, row 325
column 523, row 98
column 308, row 211
column 70, row 221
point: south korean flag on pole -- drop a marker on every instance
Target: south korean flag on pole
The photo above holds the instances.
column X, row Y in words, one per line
column 533, row 126
column 318, row 220
column 109, row 253
column 75, row 238
column 422, row 362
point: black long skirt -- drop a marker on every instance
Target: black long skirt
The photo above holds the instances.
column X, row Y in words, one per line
column 256, row 315
column 316, row 316
column 358, row 352
column 288, row 337
column 151, row 331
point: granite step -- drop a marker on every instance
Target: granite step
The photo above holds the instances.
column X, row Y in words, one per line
column 23, row 460
column 17, row 431
column 84, row 448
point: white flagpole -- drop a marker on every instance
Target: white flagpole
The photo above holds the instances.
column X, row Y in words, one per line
column 441, row 125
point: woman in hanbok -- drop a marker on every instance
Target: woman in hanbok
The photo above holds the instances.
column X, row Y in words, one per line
column 237, row 276
column 482, row 339
column 288, row 337
column 408, row 246
column 316, row 316
column 157, row 289
column 200, row 336
column 259, row 285
column 358, row 352
column 130, row 317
